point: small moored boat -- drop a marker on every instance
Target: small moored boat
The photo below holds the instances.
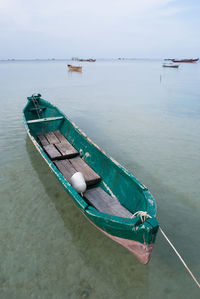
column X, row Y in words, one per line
column 185, row 60
column 170, row 65
column 73, row 68
column 110, row 197
column 87, row 60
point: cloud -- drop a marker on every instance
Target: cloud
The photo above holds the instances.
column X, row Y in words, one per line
column 25, row 14
column 114, row 26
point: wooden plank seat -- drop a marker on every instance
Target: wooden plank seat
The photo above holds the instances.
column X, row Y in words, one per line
column 42, row 140
column 69, row 166
column 56, row 145
column 65, row 168
column 60, row 137
column 91, row 177
column 105, row 203
column 52, row 152
column 51, row 137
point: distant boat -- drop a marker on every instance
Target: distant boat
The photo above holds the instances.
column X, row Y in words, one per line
column 185, row 60
column 73, row 68
column 110, row 197
column 170, row 65
column 88, row 60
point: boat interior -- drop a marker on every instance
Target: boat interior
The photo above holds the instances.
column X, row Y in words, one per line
column 110, row 189
column 68, row 161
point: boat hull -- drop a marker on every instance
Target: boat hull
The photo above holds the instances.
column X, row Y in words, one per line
column 171, row 66
column 140, row 250
column 185, row 60
column 133, row 234
column 72, row 68
column 87, row 60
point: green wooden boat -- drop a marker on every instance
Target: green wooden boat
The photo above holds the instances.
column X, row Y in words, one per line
column 114, row 200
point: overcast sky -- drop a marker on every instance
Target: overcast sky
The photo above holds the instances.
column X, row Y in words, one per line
column 99, row 28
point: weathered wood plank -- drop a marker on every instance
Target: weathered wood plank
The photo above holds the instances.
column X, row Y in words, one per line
column 61, row 144
column 61, row 138
column 66, row 149
column 42, row 139
column 91, row 177
column 105, row 203
column 52, row 152
column 52, row 138
column 65, row 168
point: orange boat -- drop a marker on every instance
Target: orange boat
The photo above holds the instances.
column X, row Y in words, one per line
column 73, row 68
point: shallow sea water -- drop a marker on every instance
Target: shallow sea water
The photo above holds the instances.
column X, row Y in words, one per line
column 147, row 118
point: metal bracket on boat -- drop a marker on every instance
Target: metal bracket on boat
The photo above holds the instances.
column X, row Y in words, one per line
column 36, row 95
column 81, row 152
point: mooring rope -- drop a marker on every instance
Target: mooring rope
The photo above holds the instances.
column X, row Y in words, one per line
column 180, row 257
column 143, row 215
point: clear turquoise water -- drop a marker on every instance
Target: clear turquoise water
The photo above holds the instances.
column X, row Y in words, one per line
column 146, row 117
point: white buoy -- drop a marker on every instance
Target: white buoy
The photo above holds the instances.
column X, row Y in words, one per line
column 78, row 182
